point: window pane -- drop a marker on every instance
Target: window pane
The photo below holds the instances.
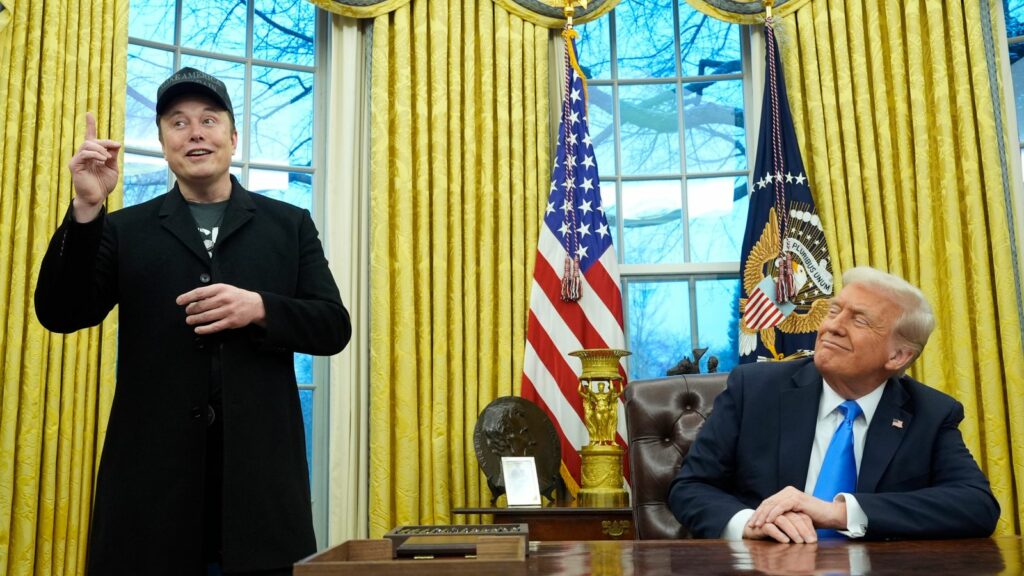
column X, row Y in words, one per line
column 652, row 222
column 306, row 401
column 147, row 69
column 214, row 26
column 707, row 45
column 295, row 188
column 644, row 44
column 600, row 107
column 1014, row 12
column 283, row 31
column 282, row 116
column 148, row 20
column 232, row 74
column 303, row 369
column 145, row 177
column 717, row 212
column 593, row 49
column 1017, row 72
column 610, row 207
column 659, row 326
column 715, row 138
column 718, row 322
column 650, row 129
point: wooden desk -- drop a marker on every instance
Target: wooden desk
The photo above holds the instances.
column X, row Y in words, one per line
column 982, row 556
column 565, row 522
column 701, row 557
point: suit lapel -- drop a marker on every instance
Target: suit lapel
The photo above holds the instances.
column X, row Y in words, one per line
column 176, row 218
column 884, row 436
column 798, row 415
column 239, row 211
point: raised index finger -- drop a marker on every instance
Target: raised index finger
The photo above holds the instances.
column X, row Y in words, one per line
column 90, row 126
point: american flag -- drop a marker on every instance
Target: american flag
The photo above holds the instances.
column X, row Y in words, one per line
column 575, row 233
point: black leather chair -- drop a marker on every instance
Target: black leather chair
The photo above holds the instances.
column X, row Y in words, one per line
column 663, row 417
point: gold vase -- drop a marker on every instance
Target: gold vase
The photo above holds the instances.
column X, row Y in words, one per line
column 600, row 387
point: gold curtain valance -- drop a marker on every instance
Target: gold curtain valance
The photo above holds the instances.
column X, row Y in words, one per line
column 359, row 8
column 744, row 11
column 547, row 13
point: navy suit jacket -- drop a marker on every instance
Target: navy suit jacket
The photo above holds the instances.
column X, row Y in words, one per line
column 917, row 479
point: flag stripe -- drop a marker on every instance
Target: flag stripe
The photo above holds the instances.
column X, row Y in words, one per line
column 606, row 286
column 603, row 319
column 556, row 404
column 570, row 455
column 562, row 377
column 572, row 314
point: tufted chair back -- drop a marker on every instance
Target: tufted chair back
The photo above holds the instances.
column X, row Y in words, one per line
column 663, row 417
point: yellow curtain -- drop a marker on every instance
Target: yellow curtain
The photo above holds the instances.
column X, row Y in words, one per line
column 899, row 112
column 61, row 59
column 459, row 161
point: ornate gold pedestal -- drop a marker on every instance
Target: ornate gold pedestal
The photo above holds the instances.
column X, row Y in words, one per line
column 602, row 477
column 600, row 387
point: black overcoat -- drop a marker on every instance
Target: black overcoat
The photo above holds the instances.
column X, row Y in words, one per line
column 148, row 509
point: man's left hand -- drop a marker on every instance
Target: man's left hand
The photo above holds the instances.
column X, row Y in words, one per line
column 221, row 307
column 823, row 514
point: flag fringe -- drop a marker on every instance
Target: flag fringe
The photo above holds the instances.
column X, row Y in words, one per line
column 570, row 483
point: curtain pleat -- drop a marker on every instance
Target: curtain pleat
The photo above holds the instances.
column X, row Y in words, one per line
column 61, row 60
column 458, row 165
column 894, row 109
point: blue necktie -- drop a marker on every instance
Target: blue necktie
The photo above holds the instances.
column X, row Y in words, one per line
column 839, row 468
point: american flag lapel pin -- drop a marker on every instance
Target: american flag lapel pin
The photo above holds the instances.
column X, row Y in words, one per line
column 897, row 423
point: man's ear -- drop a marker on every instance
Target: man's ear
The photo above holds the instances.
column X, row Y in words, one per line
column 900, row 357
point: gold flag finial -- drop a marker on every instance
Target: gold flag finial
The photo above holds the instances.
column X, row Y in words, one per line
column 570, row 8
column 768, row 8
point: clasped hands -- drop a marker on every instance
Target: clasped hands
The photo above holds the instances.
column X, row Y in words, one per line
column 792, row 515
column 221, row 307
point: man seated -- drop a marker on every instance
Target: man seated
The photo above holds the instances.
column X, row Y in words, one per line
column 843, row 443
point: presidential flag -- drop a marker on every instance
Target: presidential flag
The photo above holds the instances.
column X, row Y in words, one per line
column 575, row 301
column 787, row 271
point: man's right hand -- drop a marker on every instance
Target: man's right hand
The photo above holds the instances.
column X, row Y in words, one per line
column 94, row 172
column 788, row 527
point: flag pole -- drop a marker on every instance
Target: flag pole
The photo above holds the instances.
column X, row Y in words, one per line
column 784, row 286
column 571, row 282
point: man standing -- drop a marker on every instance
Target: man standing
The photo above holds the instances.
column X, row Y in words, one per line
column 844, row 442
column 204, row 463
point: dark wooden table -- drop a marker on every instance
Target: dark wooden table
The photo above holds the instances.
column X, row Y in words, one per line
column 982, row 556
column 698, row 557
column 565, row 521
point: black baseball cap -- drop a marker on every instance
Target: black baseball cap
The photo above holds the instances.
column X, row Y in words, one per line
column 191, row 81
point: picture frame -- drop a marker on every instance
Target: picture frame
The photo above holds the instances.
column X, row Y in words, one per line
column 521, row 486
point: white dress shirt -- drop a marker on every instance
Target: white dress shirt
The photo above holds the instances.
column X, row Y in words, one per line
column 829, row 418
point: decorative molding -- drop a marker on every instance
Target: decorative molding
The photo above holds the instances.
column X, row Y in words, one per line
column 547, row 13
column 359, row 8
column 550, row 14
column 744, row 11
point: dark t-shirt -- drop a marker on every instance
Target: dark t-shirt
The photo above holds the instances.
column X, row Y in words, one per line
column 208, row 218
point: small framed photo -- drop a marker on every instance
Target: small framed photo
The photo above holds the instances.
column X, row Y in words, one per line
column 520, row 475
